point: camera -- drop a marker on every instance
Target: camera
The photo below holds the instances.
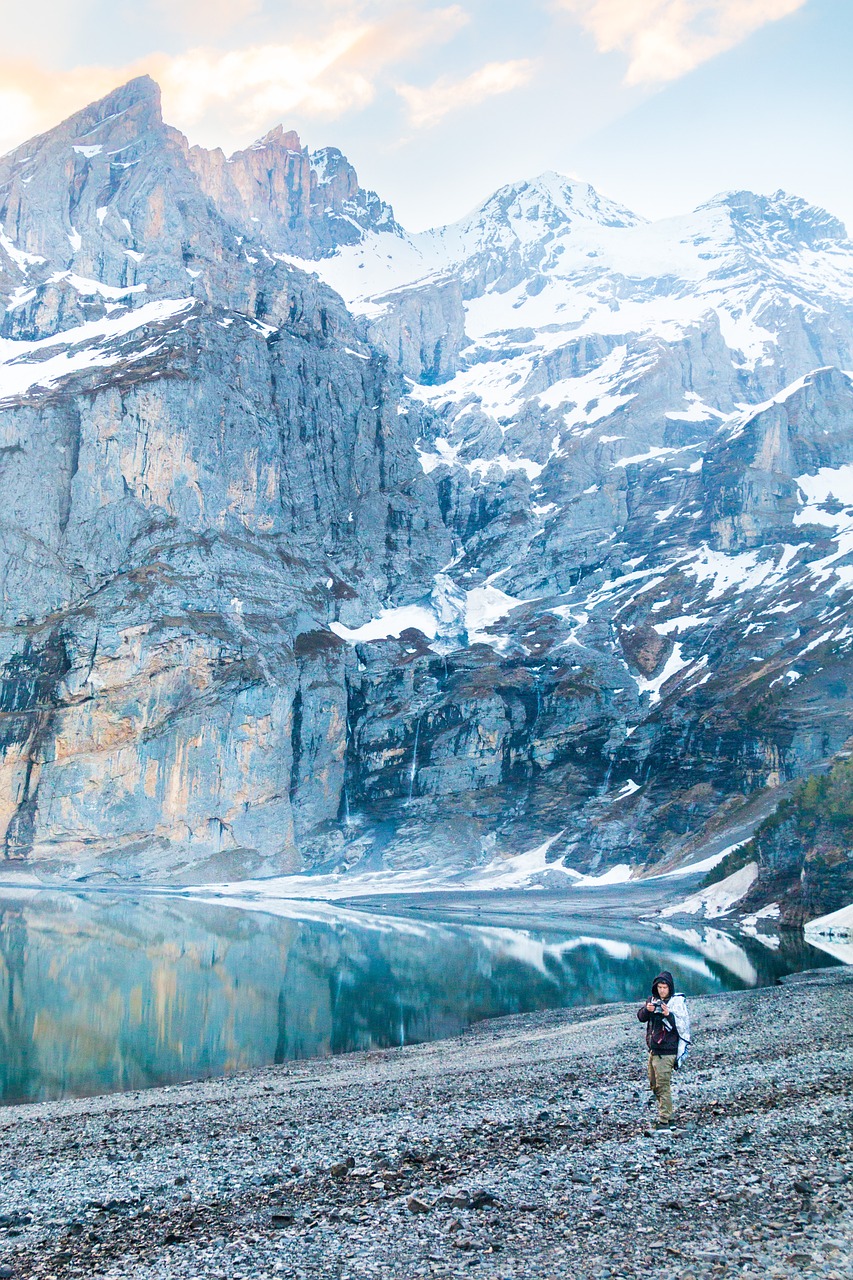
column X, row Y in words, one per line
column 658, row 1005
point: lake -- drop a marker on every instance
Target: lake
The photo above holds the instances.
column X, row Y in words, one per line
column 108, row 992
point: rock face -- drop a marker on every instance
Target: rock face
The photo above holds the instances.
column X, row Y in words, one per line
column 295, row 201
column 802, row 851
column 192, row 488
column 583, row 581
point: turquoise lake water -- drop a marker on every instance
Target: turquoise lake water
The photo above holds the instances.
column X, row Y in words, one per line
column 101, row 993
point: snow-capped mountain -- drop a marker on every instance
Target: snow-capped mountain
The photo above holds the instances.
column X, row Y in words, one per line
column 634, row 428
column 552, row 330
column 553, row 254
column 325, row 544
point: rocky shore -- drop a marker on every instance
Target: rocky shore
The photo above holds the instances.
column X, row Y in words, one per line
column 519, row 1149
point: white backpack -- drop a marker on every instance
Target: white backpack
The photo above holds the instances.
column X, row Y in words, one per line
column 679, row 1010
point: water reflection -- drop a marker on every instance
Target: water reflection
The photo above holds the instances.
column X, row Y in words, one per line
column 99, row 994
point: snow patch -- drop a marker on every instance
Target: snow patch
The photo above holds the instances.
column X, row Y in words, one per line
column 452, row 612
column 656, row 451
column 518, row 871
column 620, row 874
column 686, row 622
column 18, row 256
column 94, row 288
column 837, row 922
column 88, row 346
column 707, row 864
column 483, row 607
column 718, row 899
column 743, row 571
column 673, row 665
column 390, row 624
column 833, row 934
column 828, row 482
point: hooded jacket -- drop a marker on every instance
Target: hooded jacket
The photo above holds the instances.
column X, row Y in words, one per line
column 662, row 1034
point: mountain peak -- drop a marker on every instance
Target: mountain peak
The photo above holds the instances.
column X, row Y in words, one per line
column 786, row 218
column 139, row 98
column 136, row 104
column 551, row 180
column 139, row 89
column 548, row 203
column 278, row 138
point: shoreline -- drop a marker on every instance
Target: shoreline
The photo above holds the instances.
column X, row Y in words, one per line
column 516, row 1149
column 634, row 900
column 646, row 903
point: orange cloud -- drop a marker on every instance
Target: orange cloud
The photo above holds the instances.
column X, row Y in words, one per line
column 260, row 82
column 665, row 39
column 33, row 99
column 430, row 105
column 226, row 98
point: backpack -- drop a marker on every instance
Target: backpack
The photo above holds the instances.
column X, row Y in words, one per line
column 678, row 1005
column 657, row 1028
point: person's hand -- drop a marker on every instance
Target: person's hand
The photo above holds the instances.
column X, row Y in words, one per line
column 650, row 1006
column 665, row 1009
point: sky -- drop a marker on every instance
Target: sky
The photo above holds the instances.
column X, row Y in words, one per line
column 660, row 104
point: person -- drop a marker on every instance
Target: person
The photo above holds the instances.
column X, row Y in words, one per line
column 667, row 1039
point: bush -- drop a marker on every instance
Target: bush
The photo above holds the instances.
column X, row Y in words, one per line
column 731, row 862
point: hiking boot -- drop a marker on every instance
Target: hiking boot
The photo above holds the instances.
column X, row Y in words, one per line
column 661, row 1124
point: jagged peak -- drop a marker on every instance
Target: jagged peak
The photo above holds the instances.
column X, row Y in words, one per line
column 141, row 89
column 558, row 185
column 276, row 139
column 781, row 214
column 330, row 163
column 141, row 94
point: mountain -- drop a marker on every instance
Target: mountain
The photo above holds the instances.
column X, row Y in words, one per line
column 202, row 464
column 640, row 439
column 327, row 545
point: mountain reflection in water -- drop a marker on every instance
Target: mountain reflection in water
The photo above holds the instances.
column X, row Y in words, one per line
column 100, row 994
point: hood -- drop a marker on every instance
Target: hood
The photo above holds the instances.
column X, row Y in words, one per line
column 666, row 976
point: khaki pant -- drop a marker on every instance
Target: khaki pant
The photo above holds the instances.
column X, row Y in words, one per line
column 660, row 1081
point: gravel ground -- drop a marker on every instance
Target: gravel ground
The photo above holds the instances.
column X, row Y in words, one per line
column 519, row 1149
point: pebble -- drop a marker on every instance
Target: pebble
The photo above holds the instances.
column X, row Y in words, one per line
column 416, row 1205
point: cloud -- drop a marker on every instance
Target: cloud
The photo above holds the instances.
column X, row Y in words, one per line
column 33, row 99
column 665, row 39
column 427, row 106
column 227, row 97
column 317, row 77
column 259, row 83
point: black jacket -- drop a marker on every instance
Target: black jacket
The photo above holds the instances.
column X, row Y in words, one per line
column 661, row 1033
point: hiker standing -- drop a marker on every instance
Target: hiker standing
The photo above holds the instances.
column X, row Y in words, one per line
column 667, row 1036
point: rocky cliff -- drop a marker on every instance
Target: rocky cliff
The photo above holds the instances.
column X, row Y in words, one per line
column 323, row 545
column 801, row 852
column 200, row 469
